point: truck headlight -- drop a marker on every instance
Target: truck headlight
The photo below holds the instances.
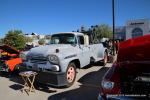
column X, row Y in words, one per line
column 23, row 56
column 53, row 59
column 107, row 84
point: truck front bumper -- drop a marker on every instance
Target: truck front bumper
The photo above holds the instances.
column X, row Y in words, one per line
column 48, row 77
column 52, row 78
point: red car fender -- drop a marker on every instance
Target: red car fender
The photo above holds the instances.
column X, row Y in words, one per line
column 13, row 62
column 113, row 76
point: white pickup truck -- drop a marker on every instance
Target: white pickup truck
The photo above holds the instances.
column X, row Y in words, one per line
column 56, row 63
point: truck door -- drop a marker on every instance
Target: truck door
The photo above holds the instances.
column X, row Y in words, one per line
column 84, row 51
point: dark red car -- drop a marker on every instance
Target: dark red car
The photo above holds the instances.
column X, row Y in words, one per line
column 9, row 58
column 129, row 76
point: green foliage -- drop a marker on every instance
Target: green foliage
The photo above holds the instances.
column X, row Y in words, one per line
column 15, row 38
column 41, row 41
column 103, row 31
column 1, row 41
column 28, row 39
column 48, row 37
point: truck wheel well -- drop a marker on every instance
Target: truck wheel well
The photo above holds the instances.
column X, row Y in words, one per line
column 76, row 62
column 92, row 60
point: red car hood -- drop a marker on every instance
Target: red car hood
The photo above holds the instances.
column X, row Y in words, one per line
column 9, row 49
column 137, row 49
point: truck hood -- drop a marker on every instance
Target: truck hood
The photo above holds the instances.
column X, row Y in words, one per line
column 136, row 49
column 50, row 49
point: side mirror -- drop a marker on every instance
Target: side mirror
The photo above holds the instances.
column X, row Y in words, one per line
column 86, row 40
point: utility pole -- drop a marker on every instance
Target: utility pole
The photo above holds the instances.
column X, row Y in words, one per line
column 113, row 15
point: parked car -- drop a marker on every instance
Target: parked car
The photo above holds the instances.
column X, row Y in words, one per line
column 129, row 76
column 56, row 63
column 9, row 58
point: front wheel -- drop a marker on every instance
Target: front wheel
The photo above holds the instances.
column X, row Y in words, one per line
column 71, row 74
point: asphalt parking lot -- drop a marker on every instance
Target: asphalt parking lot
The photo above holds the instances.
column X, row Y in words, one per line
column 86, row 87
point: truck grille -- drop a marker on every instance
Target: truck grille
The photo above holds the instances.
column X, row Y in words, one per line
column 39, row 60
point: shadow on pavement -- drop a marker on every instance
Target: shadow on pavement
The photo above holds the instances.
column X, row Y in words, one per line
column 87, row 91
column 16, row 86
column 93, row 78
column 44, row 88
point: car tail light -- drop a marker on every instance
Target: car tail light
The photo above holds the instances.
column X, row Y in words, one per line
column 107, row 84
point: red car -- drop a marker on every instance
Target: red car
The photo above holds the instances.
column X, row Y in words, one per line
column 129, row 76
column 9, row 58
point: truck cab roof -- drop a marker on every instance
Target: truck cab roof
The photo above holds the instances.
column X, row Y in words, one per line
column 75, row 33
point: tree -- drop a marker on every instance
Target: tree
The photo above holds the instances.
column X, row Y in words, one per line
column 48, row 37
column 1, row 41
column 41, row 41
column 103, row 31
column 28, row 39
column 15, row 38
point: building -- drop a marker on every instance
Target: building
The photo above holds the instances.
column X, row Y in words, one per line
column 132, row 29
column 135, row 28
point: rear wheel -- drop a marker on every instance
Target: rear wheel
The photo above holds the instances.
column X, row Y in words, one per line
column 71, row 74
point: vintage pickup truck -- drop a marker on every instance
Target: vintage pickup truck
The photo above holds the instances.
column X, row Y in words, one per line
column 56, row 63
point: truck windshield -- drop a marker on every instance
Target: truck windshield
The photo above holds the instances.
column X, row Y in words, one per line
column 63, row 39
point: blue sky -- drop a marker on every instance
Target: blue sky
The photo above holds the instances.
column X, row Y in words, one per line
column 51, row 16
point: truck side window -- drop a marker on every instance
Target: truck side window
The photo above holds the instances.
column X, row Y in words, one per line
column 81, row 40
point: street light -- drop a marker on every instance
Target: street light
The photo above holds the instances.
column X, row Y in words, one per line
column 93, row 29
column 113, row 15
